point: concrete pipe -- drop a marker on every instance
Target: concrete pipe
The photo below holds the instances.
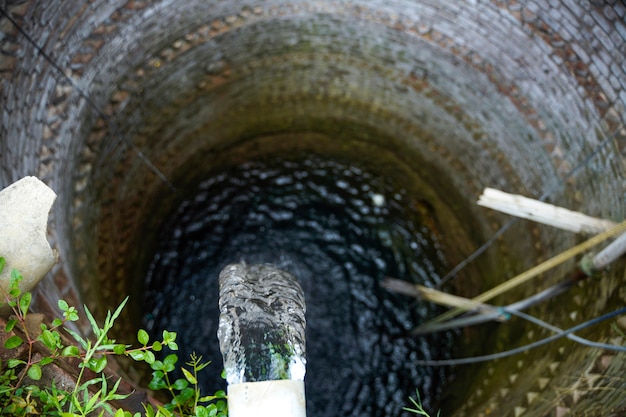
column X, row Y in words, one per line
column 121, row 106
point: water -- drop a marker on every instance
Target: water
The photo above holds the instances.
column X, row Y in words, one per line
column 340, row 230
column 262, row 325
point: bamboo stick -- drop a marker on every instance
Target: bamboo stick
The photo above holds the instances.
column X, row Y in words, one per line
column 435, row 296
column 528, row 208
column 524, row 304
column 533, row 272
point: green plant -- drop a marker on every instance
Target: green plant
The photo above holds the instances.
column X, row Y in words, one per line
column 37, row 345
column 417, row 403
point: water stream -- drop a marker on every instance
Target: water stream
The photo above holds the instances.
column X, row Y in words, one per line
column 262, row 325
column 340, row 229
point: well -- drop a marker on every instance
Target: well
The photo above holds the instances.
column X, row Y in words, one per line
column 121, row 105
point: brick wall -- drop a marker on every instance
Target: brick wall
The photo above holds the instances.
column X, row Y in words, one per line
column 118, row 104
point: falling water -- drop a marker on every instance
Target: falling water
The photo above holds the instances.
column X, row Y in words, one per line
column 261, row 325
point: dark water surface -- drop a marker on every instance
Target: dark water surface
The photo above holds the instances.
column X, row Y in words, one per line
column 340, row 230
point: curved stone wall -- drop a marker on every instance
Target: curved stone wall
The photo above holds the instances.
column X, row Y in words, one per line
column 121, row 105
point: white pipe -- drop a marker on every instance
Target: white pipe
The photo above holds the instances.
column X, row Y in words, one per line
column 610, row 253
column 280, row 398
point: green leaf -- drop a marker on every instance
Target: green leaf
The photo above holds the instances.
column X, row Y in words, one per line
column 10, row 325
column 137, row 355
column 172, row 345
column 157, row 346
column 97, row 364
column 43, row 396
column 142, row 337
column 119, row 413
column 157, row 366
column 57, row 322
column 45, row 361
column 113, row 395
column 165, row 412
column 12, row 363
column 218, row 394
column 202, row 411
column 110, row 319
column 14, row 288
column 71, row 314
column 16, row 276
column 119, row 349
column 70, row 351
column 25, row 300
column 52, row 340
column 94, row 326
column 107, row 347
column 63, row 306
column 188, row 375
column 201, row 366
column 180, row 384
column 168, row 336
column 78, row 338
column 157, row 384
column 207, row 398
column 2, row 263
column 92, row 401
column 85, row 385
column 149, row 357
column 149, row 410
column 34, row 372
column 185, row 395
column 13, row 342
column 169, row 362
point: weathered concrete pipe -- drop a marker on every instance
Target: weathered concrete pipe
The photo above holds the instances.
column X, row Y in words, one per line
column 120, row 105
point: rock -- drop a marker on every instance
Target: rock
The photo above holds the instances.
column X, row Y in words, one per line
column 24, row 208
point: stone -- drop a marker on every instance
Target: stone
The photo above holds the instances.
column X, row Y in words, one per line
column 24, row 208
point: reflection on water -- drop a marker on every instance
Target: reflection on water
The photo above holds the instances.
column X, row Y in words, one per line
column 339, row 229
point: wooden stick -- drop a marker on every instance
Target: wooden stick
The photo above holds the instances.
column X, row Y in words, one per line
column 527, row 208
column 536, row 270
column 435, row 296
column 524, row 304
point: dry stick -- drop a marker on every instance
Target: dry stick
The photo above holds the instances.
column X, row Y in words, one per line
column 435, row 296
column 531, row 273
column 485, row 312
column 502, row 313
column 528, row 208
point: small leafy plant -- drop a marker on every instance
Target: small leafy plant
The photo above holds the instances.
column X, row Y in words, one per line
column 417, row 403
column 36, row 345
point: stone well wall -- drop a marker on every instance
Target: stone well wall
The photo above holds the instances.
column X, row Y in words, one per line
column 121, row 105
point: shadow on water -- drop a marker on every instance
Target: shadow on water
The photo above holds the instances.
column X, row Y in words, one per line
column 340, row 230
